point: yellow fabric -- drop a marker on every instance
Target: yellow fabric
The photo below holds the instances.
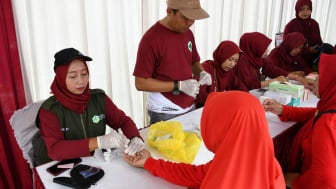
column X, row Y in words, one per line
column 171, row 141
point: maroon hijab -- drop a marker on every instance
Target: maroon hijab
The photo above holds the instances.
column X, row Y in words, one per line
column 308, row 26
column 292, row 41
column 299, row 4
column 224, row 51
column 254, row 45
column 76, row 103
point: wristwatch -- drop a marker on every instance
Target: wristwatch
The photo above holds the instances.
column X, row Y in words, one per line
column 176, row 90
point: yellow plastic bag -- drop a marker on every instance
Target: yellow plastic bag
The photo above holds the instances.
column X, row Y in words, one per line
column 172, row 142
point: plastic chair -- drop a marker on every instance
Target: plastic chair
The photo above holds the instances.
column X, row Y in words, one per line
column 24, row 127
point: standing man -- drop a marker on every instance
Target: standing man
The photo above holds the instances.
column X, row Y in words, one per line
column 167, row 59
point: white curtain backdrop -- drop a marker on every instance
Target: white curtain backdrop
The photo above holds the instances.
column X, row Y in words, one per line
column 109, row 31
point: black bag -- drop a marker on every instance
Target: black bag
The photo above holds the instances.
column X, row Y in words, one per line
column 82, row 176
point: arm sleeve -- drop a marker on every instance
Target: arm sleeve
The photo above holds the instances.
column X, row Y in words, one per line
column 146, row 59
column 116, row 119
column 178, row 173
column 317, row 33
column 288, row 28
column 321, row 174
column 202, row 96
column 297, row 114
column 57, row 147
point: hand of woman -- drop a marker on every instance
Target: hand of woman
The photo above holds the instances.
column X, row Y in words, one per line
column 139, row 159
column 281, row 78
column 295, row 74
column 313, row 50
column 266, row 83
column 273, row 106
column 308, row 83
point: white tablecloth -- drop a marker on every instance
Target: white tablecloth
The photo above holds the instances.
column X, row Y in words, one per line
column 118, row 174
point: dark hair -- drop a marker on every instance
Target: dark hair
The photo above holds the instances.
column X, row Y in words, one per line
column 174, row 11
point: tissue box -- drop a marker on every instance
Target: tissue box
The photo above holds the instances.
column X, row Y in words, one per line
column 294, row 102
column 305, row 95
column 295, row 90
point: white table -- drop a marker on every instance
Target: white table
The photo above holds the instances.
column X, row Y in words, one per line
column 118, row 174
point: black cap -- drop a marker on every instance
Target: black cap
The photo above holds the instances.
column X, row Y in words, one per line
column 67, row 55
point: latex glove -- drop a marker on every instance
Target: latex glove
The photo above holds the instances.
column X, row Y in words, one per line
column 205, row 78
column 135, row 146
column 189, row 87
column 112, row 140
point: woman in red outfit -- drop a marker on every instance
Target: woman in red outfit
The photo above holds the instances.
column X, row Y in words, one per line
column 235, row 129
column 312, row 156
column 308, row 27
column 254, row 48
column 225, row 58
column 288, row 57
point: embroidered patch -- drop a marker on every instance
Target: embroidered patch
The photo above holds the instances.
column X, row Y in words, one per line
column 97, row 118
column 190, row 46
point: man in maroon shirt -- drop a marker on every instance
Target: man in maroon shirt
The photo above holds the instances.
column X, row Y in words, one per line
column 167, row 59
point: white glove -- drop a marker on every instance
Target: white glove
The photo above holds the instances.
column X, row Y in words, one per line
column 205, row 78
column 189, row 87
column 135, row 146
column 112, row 140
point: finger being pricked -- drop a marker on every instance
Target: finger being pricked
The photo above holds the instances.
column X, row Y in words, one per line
column 128, row 158
column 131, row 159
column 139, row 154
column 267, row 104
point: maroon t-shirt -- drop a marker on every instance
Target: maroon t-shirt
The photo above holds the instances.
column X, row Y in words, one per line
column 167, row 55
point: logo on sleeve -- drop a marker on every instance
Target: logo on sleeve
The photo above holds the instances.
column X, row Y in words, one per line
column 190, row 46
column 98, row 118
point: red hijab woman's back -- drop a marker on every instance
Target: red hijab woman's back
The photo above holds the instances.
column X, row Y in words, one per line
column 234, row 127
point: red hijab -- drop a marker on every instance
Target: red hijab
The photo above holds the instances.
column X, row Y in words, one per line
column 224, row 51
column 235, row 129
column 76, row 103
column 327, row 82
column 327, row 91
column 254, row 45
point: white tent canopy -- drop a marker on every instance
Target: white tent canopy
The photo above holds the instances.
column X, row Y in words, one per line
column 109, row 31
